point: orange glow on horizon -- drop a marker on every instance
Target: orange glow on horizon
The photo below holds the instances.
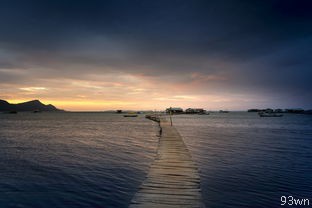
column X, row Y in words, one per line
column 82, row 105
column 145, row 103
column 132, row 92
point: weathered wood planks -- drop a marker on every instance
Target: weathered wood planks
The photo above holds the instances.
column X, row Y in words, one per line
column 173, row 179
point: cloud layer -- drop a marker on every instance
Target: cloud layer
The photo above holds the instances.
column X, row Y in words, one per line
column 151, row 54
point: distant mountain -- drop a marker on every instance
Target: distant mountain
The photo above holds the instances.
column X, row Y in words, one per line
column 34, row 105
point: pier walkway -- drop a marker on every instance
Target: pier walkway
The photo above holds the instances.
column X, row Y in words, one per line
column 173, row 179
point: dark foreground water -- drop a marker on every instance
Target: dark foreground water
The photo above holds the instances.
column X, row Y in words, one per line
column 99, row 160
column 248, row 161
column 73, row 159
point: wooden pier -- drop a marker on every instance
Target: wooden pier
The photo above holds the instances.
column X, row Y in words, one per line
column 173, row 179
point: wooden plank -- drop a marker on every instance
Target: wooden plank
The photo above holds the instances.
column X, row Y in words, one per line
column 173, row 179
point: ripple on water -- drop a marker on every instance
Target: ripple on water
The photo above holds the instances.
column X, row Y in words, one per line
column 248, row 161
column 73, row 159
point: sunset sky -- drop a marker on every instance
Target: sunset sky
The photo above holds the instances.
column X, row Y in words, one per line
column 101, row 55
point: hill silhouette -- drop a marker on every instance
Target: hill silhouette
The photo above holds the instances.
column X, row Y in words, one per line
column 34, row 105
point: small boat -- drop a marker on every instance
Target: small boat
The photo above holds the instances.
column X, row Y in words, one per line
column 223, row 111
column 131, row 114
column 264, row 114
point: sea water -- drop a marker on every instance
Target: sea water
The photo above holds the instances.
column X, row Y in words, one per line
column 100, row 159
column 73, row 159
column 250, row 161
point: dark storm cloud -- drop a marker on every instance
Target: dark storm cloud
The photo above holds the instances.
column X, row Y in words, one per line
column 262, row 45
column 186, row 25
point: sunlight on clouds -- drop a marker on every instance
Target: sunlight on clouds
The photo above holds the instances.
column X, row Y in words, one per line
column 126, row 91
column 200, row 77
column 176, row 98
column 87, row 105
column 186, row 97
column 32, row 89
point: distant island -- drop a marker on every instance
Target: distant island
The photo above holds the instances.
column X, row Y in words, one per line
column 34, row 105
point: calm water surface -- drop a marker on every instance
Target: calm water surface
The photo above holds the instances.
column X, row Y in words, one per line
column 99, row 159
column 73, row 159
column 248, row 161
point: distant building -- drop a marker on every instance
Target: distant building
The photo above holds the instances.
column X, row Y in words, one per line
column 194, row 110
column 223, row 111
column 174, row 110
